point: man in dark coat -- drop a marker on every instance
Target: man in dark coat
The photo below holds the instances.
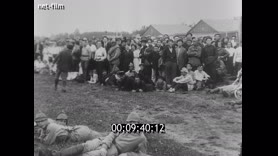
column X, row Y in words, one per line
column 126, row 59
column 170, row 58
column 64, row 62
column 181, row 55
column 142, row 50
column 209, row 58
column 194, row 55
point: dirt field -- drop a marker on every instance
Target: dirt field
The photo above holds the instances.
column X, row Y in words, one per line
column 196, row 124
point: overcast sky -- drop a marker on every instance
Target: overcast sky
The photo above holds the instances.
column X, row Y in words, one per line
column 127, row 15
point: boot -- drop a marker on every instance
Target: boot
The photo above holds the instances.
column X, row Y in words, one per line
column 56, row 84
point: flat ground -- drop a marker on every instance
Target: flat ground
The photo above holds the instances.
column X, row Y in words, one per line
column 196, row 124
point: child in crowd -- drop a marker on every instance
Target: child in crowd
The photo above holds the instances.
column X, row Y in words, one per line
column 181, row 82
column 94, row 77
column 190, row 72
column 160, row 84
column 201, row 78
column 138, row 85
column 104, row 78
column 52, row 69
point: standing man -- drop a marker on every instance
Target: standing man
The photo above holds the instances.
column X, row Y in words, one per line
column 194, row 55
column 64, row 63
column 38, row 50
column 217, row 38
column 142, row 50
column 100, row 56
column 114, row 56
column 86, row 55
column 170, row 58
column 209, row 58
column 181, row 55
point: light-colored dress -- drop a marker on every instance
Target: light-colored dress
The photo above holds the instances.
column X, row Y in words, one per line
column 136, row 60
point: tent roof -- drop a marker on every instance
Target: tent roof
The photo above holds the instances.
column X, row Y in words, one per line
column 224, row 25
column 171, row 29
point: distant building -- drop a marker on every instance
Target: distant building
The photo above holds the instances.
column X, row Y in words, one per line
column 171, row 30
column 225, row 27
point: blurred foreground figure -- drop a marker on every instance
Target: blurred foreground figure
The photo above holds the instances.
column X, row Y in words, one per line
column 55, row 133
column 124, row 144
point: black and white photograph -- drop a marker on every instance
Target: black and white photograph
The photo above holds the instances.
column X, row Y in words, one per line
column 137, row 77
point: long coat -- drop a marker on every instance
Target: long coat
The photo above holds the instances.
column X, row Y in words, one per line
column 194, row 55
column 181, row 57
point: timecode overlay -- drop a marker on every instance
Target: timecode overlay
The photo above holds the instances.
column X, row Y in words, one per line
column 136, row 128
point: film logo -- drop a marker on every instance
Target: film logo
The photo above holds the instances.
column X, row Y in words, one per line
column 52, row 6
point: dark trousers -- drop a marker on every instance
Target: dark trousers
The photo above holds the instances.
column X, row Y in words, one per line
column 180, row 86
column 210, row 69
column 238, row 66
column 229, row 65
column 100, row 65
column 127, row 83
column 170, row 71
column 64, row 75
column 85, row 69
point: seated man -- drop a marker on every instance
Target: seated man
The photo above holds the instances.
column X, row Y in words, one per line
column 123, row 144
column 115, row 80
column 128, row 80
column 39, row 65
column 181, row 82
column 138, row 85
column 56, row 133
column 228, row 90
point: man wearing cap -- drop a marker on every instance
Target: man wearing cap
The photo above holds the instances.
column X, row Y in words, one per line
column 64, row 64
column 181, row 55
column 143, row 48
column 114, row 55
column 194, row 55
column 57, row 133
column 86, row 55
column 170, row 58
column 123, row 144
column 209, row 58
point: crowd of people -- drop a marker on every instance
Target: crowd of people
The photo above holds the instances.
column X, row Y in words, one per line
column 146, row 63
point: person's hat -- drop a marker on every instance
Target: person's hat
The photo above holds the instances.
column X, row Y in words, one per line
column 118, row 39
column 208, row 37
column 133, row 116
column 62, row 116
column 184, row 70
column 85, row 39
column 40, row 117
